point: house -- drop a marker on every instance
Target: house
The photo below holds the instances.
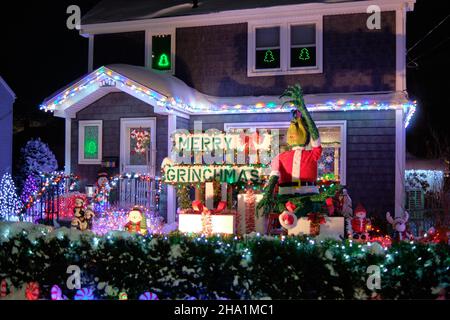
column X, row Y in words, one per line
column 7, row 98
column 165, row 65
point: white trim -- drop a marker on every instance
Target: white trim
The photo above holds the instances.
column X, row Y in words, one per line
column 245, row 15
column 285, row 46
column 81, row 125
column 342, row 124
column 171, row 192
column 68, row 146
column 400, row 162
column 400, row 63
column 149, row 33
column 125, row 144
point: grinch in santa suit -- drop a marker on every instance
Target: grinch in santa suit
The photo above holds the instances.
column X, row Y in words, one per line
column 294, row 172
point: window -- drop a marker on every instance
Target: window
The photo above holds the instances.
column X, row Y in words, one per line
column 161, row 52
column 332, row 165
column 267, row 48
column 90, row 142
column 303, row 46
column 288, row 47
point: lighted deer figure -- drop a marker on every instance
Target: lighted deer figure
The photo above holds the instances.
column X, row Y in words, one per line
column 399, row 225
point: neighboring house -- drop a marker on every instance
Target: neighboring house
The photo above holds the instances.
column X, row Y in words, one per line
column 166, row 64
column 7, row 98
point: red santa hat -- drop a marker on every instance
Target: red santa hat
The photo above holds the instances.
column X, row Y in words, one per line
column 360, row 209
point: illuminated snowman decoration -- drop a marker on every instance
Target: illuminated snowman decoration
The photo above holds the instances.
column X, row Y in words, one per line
column 137, row 223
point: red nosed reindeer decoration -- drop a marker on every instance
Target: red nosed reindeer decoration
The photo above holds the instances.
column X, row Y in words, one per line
column 399, row 225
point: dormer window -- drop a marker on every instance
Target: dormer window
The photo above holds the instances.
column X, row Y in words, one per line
column 287, row 47
column 160, row 50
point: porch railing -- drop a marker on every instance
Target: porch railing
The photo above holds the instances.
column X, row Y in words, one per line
column 135, row 192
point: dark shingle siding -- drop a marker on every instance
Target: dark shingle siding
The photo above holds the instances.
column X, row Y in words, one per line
column 111, row 109
column 213, row 59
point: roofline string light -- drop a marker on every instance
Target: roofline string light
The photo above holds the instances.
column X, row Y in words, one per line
column 105, row 75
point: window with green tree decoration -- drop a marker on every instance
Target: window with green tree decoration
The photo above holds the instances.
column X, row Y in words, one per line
column 91, row 142
column 267, row 48
column 161, row 52
column 303, row 46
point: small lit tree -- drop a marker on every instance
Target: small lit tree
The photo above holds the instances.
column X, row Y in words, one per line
column 10, row 204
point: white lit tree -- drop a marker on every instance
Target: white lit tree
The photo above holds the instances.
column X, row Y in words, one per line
column 9, row 201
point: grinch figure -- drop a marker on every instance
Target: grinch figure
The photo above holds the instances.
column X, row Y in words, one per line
column 82, row 218
column 137, row 223
column 294, row 172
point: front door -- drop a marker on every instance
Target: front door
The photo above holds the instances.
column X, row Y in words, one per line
column 138, row 145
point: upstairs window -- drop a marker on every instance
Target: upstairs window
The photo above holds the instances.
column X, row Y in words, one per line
column 289, row 47
column 162, row 52
column 267, row 48
column 303, row 46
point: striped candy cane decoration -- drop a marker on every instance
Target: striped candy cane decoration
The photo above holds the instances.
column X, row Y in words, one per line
column 84, row 294
column 3, row 290
column 32, row 291
column 148, row 296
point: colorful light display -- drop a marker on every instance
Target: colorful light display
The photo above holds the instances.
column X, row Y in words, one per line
column 94, row 81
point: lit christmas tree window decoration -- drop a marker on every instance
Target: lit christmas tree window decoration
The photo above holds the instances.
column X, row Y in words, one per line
column 303, row 46
column 267, row 48
column 91, row 142
column 161, row 52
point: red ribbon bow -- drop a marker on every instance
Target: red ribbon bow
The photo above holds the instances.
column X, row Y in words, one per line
column 290, row 207
column 316, row 218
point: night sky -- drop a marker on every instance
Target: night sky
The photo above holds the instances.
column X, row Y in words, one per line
column 39, row 55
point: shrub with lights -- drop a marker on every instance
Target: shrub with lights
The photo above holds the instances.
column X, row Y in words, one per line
column 187, row 266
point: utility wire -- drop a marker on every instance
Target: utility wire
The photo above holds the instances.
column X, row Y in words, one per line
column 412, row 62
column 430, row 32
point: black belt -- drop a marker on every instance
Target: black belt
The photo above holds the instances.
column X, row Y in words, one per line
column 296, row 184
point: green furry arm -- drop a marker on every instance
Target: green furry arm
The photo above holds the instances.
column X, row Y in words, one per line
column 295, row 94
column 268, row 201
column 310, row 124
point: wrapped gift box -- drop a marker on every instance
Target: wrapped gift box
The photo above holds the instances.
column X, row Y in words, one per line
column 192, row 223
column 334, row 228
column 260, row 222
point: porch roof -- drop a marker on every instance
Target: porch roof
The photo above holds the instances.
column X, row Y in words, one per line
column 168, row 94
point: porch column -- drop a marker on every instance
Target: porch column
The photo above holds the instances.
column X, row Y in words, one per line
column 68, row 143
column 171, row 192
column 400, row 159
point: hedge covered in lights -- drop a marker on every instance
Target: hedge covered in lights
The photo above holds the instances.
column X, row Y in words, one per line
column 183, row 267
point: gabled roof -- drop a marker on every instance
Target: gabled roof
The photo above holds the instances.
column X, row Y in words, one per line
column 8, row 89
column 125, row 10
column 168, row 94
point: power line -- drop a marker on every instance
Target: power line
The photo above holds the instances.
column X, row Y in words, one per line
column 412, row 62
column 430, row 32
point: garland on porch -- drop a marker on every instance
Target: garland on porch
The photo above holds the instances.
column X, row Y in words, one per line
column 250, row 211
